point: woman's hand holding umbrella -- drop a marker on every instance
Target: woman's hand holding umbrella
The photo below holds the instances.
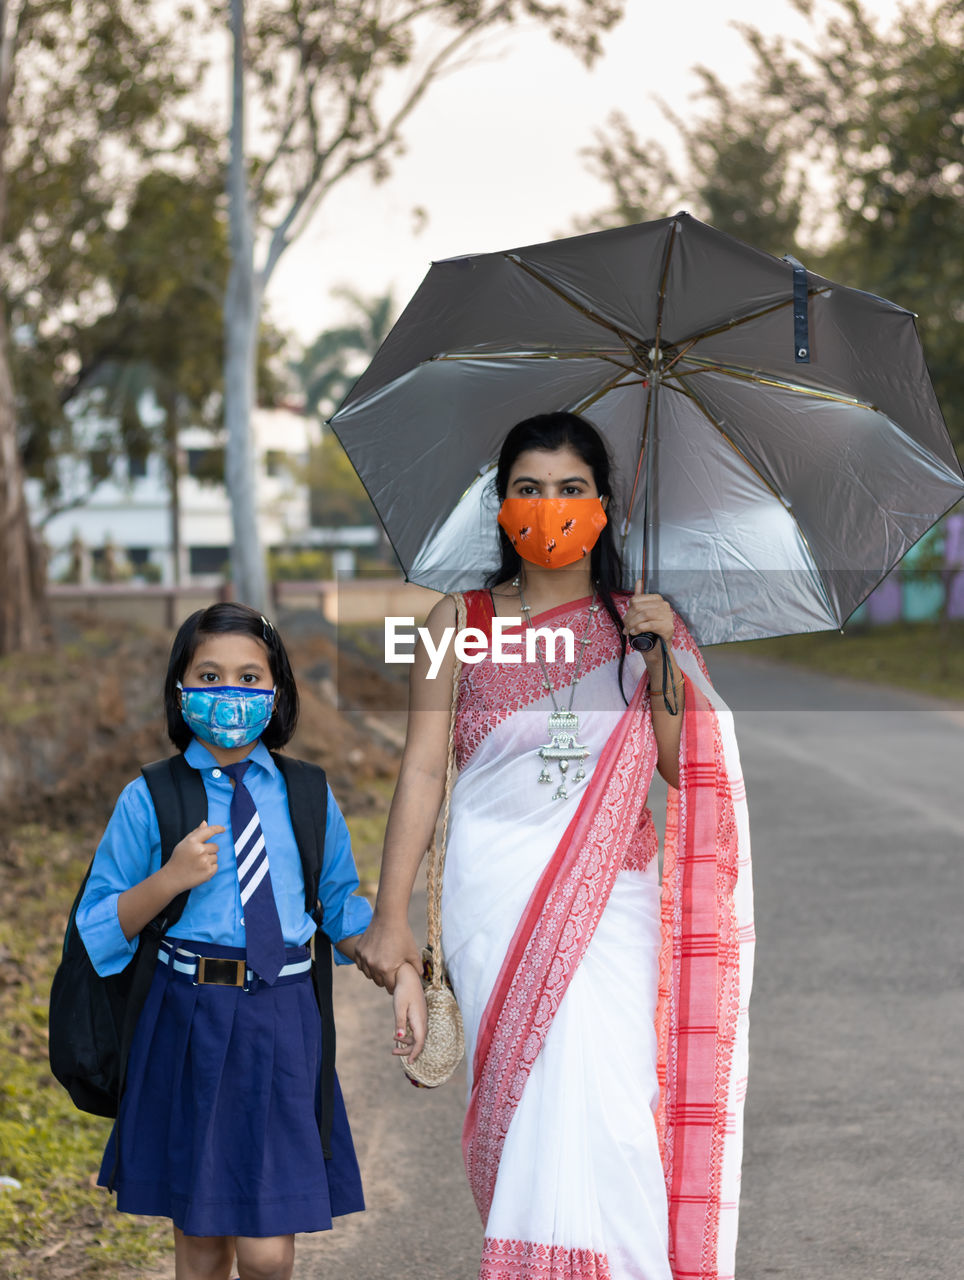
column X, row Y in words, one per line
column 649, row 613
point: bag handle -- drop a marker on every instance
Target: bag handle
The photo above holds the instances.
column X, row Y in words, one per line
column 436, row 853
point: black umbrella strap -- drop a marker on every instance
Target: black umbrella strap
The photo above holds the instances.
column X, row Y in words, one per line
column 801, row 316
column 669, row 687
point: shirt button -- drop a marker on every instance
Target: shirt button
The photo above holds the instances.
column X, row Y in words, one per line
column 215, row 773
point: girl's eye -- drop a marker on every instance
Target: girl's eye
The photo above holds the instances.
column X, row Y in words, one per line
column 208, row 677
column 249, row 678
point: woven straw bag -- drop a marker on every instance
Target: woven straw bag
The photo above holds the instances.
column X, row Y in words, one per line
column 445, row 1041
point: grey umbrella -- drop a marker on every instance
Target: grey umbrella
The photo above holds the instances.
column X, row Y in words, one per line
column 777, row 441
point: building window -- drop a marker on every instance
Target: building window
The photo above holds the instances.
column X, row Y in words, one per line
column 137, row 467
column 206, row 464
column 207, row 560
column 276, row 463
column 99, row 461
column 138, row 557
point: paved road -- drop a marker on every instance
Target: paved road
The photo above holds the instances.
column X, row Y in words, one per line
column 854, row 1133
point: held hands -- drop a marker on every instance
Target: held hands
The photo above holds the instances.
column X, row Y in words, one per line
column 382, row 948
column 195, row 858
column 411, row 1015
column 649, row 613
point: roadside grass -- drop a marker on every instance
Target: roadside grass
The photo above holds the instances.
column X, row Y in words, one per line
column 367, row 834
column 57, row 1223
column 921, row 657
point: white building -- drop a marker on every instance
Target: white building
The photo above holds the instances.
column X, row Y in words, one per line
column 129, row 514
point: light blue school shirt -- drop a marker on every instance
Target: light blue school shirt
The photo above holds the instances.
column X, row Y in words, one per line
column 130, row 851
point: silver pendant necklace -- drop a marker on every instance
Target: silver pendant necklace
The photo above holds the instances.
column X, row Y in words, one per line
column 563, row 746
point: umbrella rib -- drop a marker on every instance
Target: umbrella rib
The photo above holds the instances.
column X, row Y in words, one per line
column 650, row 420
column 623, row 335
column 754, row 315
column 606, row 357
column 639, row 463
column 768, row 380
column 661, row 296
column 691, row 395
column 582, row 405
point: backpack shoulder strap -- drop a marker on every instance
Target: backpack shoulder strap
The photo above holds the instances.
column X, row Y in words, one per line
column 308, row 805
column 181, row 804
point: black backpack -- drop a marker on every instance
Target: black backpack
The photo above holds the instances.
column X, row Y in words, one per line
column 92, row 1019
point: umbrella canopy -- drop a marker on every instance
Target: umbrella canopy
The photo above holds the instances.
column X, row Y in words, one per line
column 773, row 459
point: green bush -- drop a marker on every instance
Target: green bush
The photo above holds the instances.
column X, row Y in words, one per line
column 299, row 566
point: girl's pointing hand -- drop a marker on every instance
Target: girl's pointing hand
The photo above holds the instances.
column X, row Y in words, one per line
column 195, row 858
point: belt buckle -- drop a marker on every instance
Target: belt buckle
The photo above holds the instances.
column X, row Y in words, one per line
column 219, row 965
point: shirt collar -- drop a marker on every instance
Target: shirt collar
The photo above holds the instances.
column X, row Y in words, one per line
column 199, row 757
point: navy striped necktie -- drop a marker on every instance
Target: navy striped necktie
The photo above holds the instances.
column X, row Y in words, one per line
column 262, row 928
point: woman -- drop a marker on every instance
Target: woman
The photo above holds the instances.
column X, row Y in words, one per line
column 605, row 1016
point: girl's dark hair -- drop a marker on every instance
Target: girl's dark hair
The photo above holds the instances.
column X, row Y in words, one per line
column 231, row 619
column 552, row 431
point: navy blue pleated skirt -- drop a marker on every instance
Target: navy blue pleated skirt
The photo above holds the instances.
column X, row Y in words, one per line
column 218, row 1124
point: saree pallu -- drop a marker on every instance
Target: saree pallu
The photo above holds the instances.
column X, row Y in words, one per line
column 605, row 1014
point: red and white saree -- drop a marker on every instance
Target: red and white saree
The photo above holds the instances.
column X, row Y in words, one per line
column 605, row 1014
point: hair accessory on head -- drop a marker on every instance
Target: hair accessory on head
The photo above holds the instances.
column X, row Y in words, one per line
column 267, row 628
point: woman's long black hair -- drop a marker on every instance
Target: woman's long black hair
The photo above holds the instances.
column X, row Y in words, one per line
column 225, row 619
column 550, row 432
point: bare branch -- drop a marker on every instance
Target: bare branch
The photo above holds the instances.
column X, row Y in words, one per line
column 280, row 237
column 298, row 104
column 70, row 504
column 293, row 119
column 389, row 133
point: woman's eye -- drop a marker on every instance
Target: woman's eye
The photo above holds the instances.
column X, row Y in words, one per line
column 207, row 677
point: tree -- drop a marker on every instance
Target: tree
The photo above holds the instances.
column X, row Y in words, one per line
column 877, row 116
column 159, row 347
column 882, row 110
column 88, row 100
column 323, row 73
column 329, row 365
column 326, row 370
column 739, row 171
column 20, row 619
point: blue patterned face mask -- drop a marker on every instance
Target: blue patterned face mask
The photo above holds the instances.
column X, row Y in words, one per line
column 226, row 715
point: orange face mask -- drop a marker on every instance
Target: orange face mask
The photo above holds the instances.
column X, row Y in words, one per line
column 552, row 532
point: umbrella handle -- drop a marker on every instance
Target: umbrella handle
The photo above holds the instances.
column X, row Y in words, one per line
column 643, row 641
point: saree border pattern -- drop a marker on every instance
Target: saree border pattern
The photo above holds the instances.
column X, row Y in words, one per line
column 525, row 1260
column 699, row 1004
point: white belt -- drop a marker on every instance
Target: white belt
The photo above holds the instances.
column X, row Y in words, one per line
column 221, row 970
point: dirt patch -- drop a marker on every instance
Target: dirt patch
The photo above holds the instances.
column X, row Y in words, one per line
column 78, row 720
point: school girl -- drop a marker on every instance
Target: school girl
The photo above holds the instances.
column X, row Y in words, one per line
column 218, row 1125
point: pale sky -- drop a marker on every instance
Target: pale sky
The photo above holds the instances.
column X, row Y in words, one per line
column 493, row 151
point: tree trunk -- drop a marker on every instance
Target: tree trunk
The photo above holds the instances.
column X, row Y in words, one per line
column 21, row 577
column 172, row 465
column 241, row 318
column 22, row 569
